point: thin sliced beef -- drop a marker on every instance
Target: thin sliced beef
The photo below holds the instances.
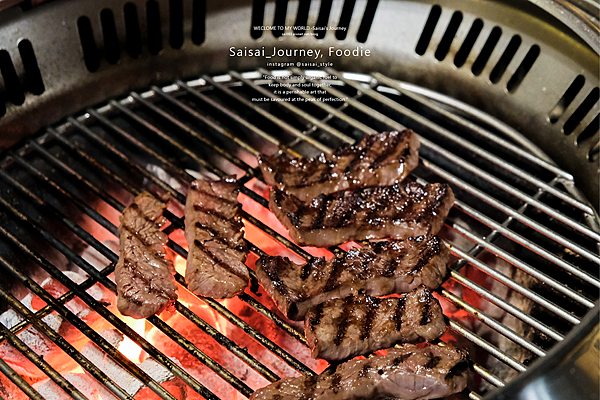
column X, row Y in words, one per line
column 407, row 373
column 398, row 211
column 378, row 160
column 144, row 273
column 345, row 328
column 214, row 231
column 376, row 269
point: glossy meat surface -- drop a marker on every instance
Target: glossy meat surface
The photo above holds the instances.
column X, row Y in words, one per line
column 376, row 269
column 345, row 328
column 214, row 231
column 144, row 273
column 398, row 212
column 378, row 160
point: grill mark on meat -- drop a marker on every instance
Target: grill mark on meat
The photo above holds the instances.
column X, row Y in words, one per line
column 310, row 385
column 399, row 312
column 425, row 257
column 426, row 316
column 400, row 359
column 433, row 361
column 388, row 150
column 345, row 322
column 316, row 319
column 321, row 215
column 306, row 268
column 204, row 193
column 235, row 224
column 364, row 370
column 388, row 376
column 335, row 273
column 372, row 307
column 273, row 274
column 335, row 383
column 217, row 262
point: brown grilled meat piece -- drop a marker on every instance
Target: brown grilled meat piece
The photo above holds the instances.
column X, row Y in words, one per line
column 398, row 211
column 378, row 160
column 144, row 273
column 345, row 328
column 408, row 373
column 214, row 232
column 376, row 269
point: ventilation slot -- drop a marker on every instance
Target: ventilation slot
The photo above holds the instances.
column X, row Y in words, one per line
column 323, row 19
column 154, row 28
column 367, row 21
column 579, row 114
column 176, row 23
column 199, row 22
column 486, row 51
column 279, row 19
column 505, row 59
column 446, row 42
column 109, row 33
column 14, row 91
column 432, row 20
column 133, row 40
column 523, row 69
column 33, row 76
column 257, row 20
column 589, row 130
column 345, row 19
column 302, row 18
column 465, row 49
column 88, row 44
column 567, row 99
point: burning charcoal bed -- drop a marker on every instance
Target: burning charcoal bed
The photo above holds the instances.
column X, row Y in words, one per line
column 518, row 276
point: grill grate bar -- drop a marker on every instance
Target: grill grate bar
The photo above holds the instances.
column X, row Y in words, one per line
column 237, row 119
column 493, row 350
column 284, row 125
column 470, row 146
column 41, row 326
column 41, row 364
column 42, row 312
column 485, row 374
column 506, row 306
column 295, row 110
column 236, row 350
column 416, row 118
column 76, row 321
column 85, row 266
column 265, row 228
column 19, row 381
column 395, row 125
column 265, row 204
column 85, row 208
column 468, row 125
column 533, row 272
column 474, row 170
column 510, row 211
column 89, row 133
column 263, row 310
column 494, row 324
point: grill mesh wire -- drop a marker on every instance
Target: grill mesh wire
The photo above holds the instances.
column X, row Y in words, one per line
column 509, row 203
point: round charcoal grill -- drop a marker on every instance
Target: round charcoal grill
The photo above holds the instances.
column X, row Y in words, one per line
column 106, row 99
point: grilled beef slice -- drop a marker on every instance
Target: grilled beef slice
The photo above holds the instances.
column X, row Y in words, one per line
column 214, row 232
column 144, row 273
column 378, row 160
column 408, row 373
column 376, row 269
column 345, row 328
column 398, row 211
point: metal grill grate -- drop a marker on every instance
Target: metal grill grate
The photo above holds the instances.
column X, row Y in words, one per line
column 513, row 205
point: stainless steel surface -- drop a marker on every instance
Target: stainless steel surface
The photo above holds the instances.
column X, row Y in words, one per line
column 215, row 114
